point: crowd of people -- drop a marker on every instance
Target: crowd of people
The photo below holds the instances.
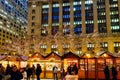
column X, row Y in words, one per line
column 13, row 73
column 71, row 70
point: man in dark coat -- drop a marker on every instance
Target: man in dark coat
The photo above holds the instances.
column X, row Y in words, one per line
column 38, row 71
column 28, row 71
column 107, row 73
column 114, row 73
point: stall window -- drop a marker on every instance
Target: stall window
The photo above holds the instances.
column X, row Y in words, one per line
column 101, row 64
column 91, row 64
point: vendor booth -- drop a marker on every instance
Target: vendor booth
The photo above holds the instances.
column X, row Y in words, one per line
column 104, row 58
column 70, row 59
column 87, row 66
column 118, row 65
column 52, row 60
column 35, row 59
column 11, row 60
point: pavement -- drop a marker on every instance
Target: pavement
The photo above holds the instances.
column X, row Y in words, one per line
column 41, row 79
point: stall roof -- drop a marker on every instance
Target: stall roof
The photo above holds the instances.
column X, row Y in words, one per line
column 110, row 54
column 36, row 55
column 53, row 55
column 2, row 57
column 87, row 55
column 70, row 55
column 13, row 58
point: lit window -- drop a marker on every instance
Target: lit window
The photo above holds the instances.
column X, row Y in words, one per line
column 45, row 6
column 33, row 5
column 55, row 5
column 43, row 46
column 54, row 46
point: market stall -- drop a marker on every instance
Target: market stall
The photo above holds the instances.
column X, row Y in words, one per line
column 69, row 59
column 11, row 60
column 104, row 58
column 51, row 60
column 35, row 59
column 87, row 66
column 118, row 65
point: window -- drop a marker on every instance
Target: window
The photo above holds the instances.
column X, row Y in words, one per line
column 104, row 46
column 32, row 30
column 33, row 24
column 33, row 17
column 90, row 46
column 33, row 11
column 117, row 47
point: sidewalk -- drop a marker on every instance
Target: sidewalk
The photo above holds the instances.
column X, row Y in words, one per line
column 41, row 79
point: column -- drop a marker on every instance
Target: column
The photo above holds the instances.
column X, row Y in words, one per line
column 84, row 48
column 83, row 17
column 72, row 48
column 38, row 18
column 95, row 15
column 108, row 23
column 29, row 17
column 71, row 18
column 60, row 16
column 50, row 18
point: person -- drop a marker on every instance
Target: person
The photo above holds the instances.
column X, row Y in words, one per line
column 38, row 71
column 55, row 69
column 28, row 71
column 8, row 70
column 16, row 74
column 114, row 73
column 62, row 73
column 69, row 70
column 33, row 71
column 75, row 69
column 107, row 73
column 2, row 71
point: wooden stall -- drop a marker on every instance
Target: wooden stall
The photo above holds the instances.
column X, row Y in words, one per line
column 118, row 65
column 37, row 58
column 11, row 60
column 104, row 58
column 87, row 65
column 69, row 59
column 51, row 60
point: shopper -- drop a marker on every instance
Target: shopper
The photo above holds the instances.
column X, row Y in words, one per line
column 55, row 70
column 28, row 71
column 107, row 73
column 114, row 73
column 38, row 71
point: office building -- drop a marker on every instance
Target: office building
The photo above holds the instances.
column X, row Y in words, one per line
column 13, row 20
column 78, row 26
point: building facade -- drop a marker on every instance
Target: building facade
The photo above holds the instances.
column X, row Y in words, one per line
column 13, row 20
column 79, row 26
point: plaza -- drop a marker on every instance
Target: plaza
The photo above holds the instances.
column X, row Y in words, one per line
column 61, row 33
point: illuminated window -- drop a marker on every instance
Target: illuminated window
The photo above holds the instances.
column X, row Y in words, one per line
column 117, row 47
column 43, row 46
column 104, row 46
column 66, row 46
column 33, row 5
column 45, row 6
